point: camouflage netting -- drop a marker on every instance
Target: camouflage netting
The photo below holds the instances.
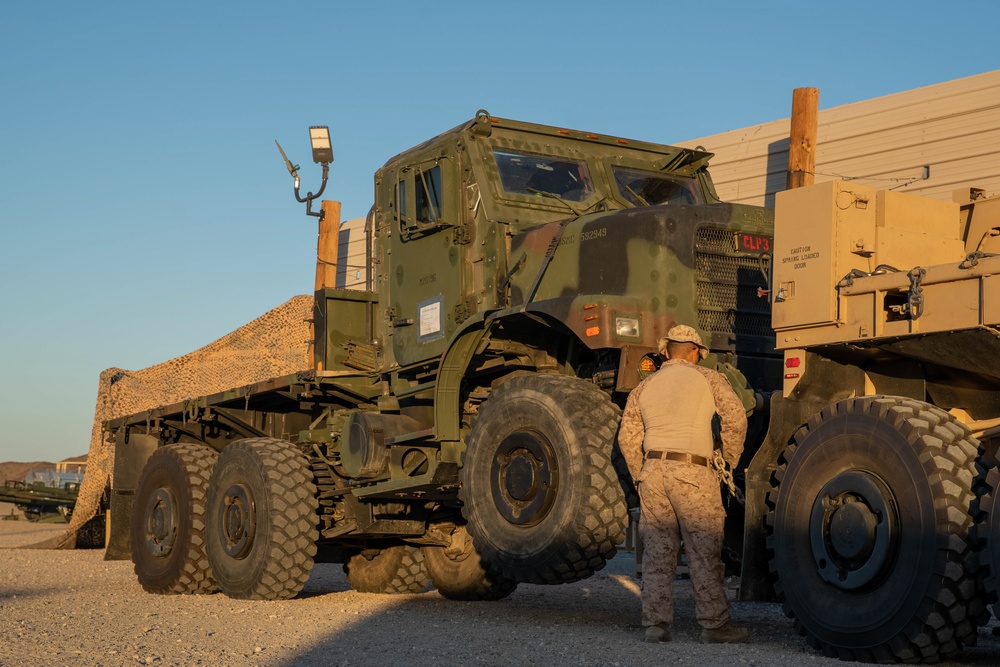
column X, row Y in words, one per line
column 273, row 345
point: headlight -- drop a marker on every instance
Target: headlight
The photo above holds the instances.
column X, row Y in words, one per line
column 627, row 327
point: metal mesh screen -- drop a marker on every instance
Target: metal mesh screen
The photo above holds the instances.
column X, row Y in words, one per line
column 728, row 284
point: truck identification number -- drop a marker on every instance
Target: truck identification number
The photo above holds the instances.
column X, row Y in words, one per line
column 753, row 243
column 593, row 234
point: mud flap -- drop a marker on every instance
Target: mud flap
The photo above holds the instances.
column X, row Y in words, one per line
column 756, row 581
column 131, row 452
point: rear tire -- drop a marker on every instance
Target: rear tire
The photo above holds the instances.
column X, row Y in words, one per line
column 540, row 493
column 167, row 530
column 262, row 520
column 870, row 543
column 393, row 570
column 459, row 573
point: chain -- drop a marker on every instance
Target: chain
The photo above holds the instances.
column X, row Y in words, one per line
column 725, row 476
column 915, row 298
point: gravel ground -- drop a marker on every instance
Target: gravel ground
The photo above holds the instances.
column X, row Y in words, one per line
column 74, row 608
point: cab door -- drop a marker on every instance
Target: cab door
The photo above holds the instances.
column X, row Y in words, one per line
column 424, row 272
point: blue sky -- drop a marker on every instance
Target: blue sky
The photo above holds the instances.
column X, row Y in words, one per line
column 144, row 210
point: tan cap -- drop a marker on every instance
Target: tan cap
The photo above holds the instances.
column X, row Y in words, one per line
column 682, row 333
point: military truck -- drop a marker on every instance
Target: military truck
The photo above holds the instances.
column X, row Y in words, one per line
column 40, row 502
column 458, row 421
column 873, row 499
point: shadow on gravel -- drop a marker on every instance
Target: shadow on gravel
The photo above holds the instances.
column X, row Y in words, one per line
column 593, row 622
column 9, row 593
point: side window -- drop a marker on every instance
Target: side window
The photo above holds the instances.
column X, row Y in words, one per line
column 426, row 209
column 401, row 199
column 428, row 189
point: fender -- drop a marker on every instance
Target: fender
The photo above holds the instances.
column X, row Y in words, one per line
column 447, row 392
column 461, row 348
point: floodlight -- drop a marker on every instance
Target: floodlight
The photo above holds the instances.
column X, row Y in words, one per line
column 319, row 137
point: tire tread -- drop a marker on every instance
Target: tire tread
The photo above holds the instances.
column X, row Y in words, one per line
column 953, row 607
column 194, row 576
column 292, row 543
column 605, row 508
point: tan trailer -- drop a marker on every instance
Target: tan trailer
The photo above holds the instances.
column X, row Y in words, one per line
column 876, row 484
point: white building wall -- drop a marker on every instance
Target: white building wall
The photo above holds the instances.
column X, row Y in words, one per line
column 351, row 265
column 951, row 127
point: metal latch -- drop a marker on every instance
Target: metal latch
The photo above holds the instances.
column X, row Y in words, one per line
column 914, row 306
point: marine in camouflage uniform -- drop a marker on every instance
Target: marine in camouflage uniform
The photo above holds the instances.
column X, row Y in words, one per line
column 666, row 440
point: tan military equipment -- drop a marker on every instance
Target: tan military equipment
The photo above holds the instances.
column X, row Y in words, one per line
column 874, row 495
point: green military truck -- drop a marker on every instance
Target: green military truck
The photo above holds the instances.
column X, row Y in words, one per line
column 458, row 422
column 40, row 502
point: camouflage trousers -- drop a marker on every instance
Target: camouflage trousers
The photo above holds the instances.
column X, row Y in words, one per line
column 681, row 500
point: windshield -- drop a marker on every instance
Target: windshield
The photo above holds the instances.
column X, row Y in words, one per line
column 531, row 174
column 647, row 188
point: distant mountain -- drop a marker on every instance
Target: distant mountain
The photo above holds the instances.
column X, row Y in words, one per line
column 18, row 471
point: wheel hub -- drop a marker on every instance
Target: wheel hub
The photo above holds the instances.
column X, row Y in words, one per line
column 853, row 530
column 239, row 521
column 161, row 522
column 522, row 479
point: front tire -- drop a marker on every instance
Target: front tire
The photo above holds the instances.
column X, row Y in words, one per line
column 262, row 520
column 871, row 519
column 167, row 530
column 540, row 493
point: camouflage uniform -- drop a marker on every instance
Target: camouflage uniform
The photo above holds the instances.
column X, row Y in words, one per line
column 680, row 499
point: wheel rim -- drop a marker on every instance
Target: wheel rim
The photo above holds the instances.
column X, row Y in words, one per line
column 524, row 481
column 161, row 522
column 239, row 521
column 853, row 530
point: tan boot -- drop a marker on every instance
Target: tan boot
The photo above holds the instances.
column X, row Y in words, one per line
column 658, row 633
column 725, row 634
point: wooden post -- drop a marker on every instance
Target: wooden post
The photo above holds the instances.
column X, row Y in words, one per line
column 326, row 263
column 326, row 245
column 802, row 137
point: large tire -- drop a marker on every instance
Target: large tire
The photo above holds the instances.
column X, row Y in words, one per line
column 459, row 573
column 870, row 542
column 167, row 530
column 540, row 493
column 262, row 520
column 393, row 570
column 988, row 531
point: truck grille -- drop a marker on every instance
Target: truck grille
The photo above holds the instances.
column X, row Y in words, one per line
column 728, row 281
